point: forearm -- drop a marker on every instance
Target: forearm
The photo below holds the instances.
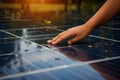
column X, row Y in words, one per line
column 106, row 12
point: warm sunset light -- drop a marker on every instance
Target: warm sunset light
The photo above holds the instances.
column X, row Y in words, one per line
column 48, row 1
column 39, row 5
column 44, row 5
column 40, row 8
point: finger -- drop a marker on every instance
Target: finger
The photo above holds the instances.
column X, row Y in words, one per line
column 55, row 38
column 62, row 37
column 49, row 41
column 75, row 39
column 52, row 40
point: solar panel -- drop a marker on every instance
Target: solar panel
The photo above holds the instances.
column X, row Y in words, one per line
column 25, row 55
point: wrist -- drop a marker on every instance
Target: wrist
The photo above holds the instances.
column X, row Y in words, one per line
column 89, row 26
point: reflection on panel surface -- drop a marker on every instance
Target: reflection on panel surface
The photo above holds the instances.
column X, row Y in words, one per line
column 24, row 54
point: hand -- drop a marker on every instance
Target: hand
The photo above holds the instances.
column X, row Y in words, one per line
column 75, row 34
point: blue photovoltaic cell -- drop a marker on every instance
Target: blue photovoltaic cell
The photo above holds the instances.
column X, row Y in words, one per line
column 26, row 55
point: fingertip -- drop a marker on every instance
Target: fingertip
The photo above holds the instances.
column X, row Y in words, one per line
column 49, row 41
column 53, row 43
column 70, row 42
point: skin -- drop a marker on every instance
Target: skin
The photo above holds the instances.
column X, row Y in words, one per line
column 106, row 12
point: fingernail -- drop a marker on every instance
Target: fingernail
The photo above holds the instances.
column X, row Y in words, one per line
column 53, row 43
column 49, row 41
column 69, row 42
